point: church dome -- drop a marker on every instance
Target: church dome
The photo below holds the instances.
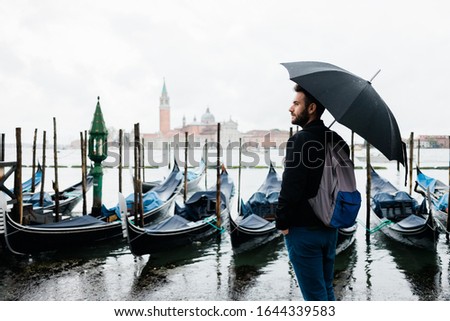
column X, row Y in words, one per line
column 207, row 117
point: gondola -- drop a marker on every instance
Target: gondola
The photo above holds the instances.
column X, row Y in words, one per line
column 87, row 229
column 194, row 176
column 74, row 232
column 255, row 225
column 68, row 199
column 156, row 202
column 438, row 192
column 195, row 220
column 400, row 217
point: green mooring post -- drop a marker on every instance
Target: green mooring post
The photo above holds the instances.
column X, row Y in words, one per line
column 98, row 151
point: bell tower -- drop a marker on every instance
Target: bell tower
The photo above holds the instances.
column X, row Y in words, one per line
column 164, row 111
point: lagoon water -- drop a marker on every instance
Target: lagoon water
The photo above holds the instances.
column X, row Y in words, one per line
column 373, row 268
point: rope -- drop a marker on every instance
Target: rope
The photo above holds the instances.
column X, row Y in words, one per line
column 376, row 228
column 209, row 221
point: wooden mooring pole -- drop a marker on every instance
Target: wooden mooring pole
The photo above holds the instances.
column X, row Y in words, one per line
column 135, row 176
column 218, row 178
column 169, row 151
column 411, row 157
column 120, row 159
column 44, row 147
column 139, row 153
column 55, row 160
column 33, row 166
column 2, row 154
column 368, row 189
column 418, row 153
column 83, row 172
column 18, row 206
column 2, row 149
column 206, row 164
column 239, row 177
column 138, row 202
column 143, row 159
column 186, row 146
column 86, row 140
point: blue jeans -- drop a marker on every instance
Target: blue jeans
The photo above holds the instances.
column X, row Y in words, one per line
column 312, row 252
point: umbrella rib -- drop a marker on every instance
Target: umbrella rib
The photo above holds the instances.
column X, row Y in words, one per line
column 376, row 74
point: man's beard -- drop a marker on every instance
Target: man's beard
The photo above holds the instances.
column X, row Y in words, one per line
column 301, row 119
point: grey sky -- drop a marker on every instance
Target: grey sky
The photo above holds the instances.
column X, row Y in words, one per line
column 56, row 57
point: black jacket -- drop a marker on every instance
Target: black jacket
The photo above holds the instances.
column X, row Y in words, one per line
column 303, row 170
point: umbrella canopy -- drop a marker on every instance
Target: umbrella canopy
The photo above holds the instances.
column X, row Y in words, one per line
column 353, row 102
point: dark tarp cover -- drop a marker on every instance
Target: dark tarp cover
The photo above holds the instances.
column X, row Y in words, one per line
column 265, row 200
column 399, row 199
column 254, row 222
column 174, row 222
column 203, row 203
column 411, row 222
column 153, row 198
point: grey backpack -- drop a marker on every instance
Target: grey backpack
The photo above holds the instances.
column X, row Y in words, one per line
column 337, row 201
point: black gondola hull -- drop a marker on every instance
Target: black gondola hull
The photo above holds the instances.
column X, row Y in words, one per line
column 195, row 221
column 24, row 239
column 142, row 241
column 251, row 238
column 395, row 212
column 425, row 236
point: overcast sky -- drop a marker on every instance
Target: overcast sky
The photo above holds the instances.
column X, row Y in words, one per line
column 57, row 56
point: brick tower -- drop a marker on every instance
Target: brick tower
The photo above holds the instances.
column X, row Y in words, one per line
column 164, row 111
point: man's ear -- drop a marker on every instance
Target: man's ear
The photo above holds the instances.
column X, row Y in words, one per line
column 312, row 108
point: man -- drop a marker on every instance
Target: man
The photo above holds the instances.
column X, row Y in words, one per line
column 311, row 245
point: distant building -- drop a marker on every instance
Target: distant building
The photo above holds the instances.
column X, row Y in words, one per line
column 164, row 111
column 433, row 141
column 205, row 129
column 273, row 138
column 165, row 134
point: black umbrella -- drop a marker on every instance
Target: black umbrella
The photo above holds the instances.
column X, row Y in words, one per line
column 353, row 102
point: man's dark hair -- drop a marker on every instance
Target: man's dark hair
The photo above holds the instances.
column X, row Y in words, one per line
column 309, row 99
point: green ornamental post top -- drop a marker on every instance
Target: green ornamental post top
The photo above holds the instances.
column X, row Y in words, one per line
column 98, row 147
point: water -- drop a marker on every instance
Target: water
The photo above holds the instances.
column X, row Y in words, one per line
column 377, row 269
